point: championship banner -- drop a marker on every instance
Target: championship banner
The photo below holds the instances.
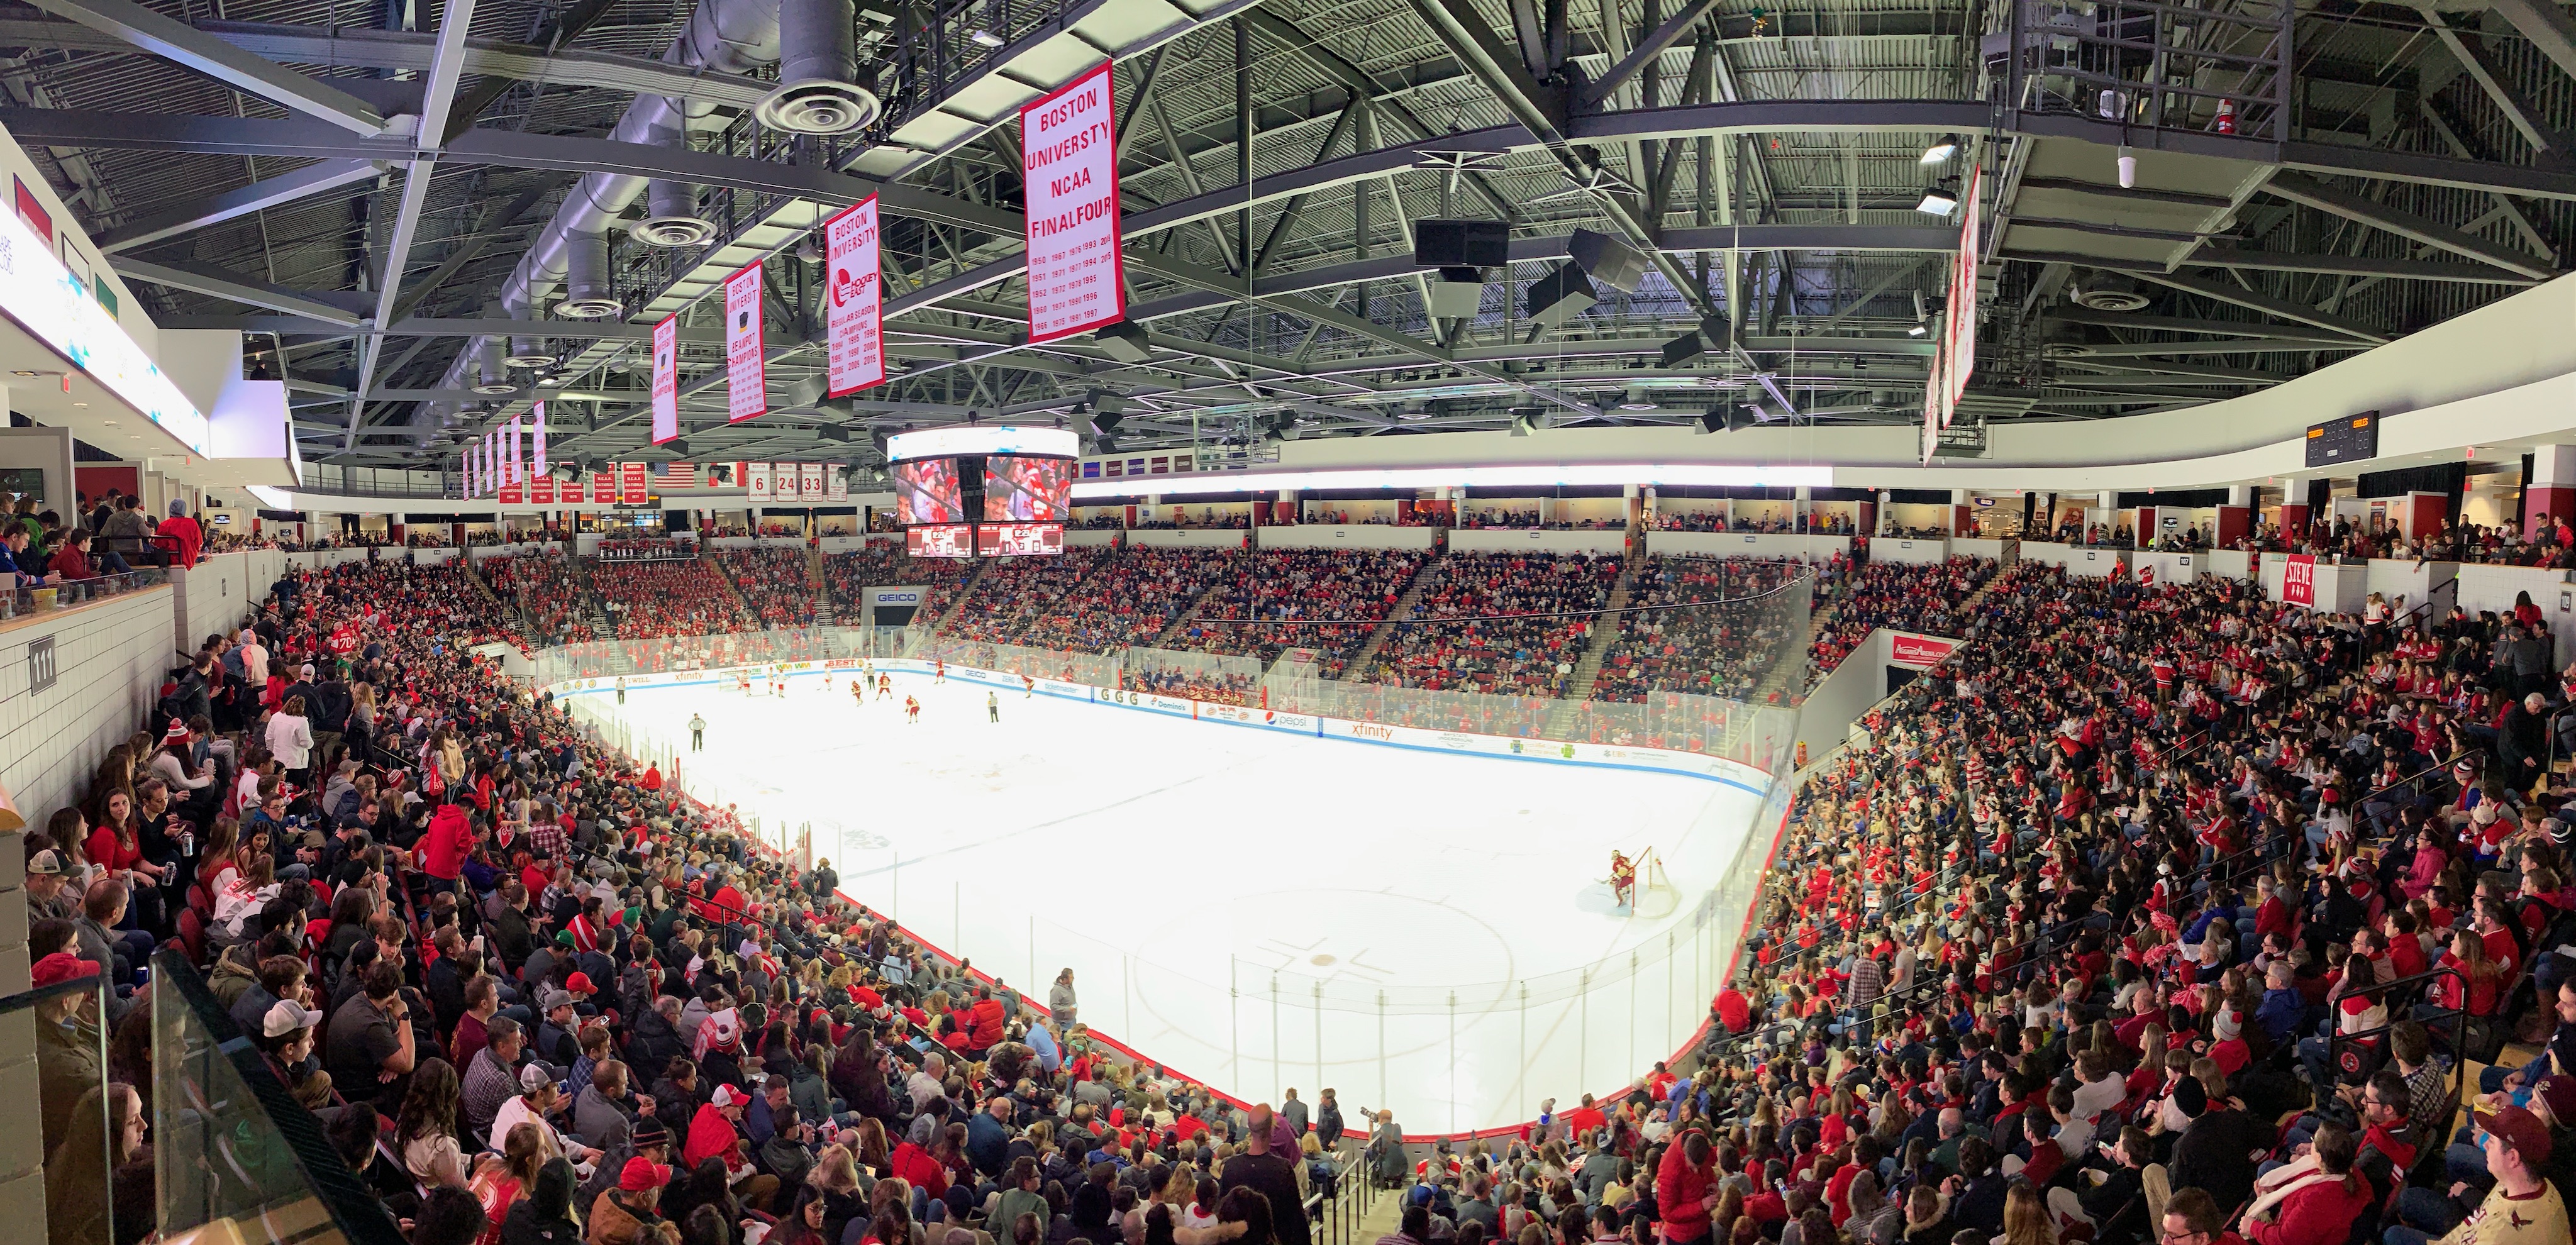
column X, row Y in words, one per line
column 836, row 482
column 812, row 476
column 465, row 471
column 492, row 462
column 538, row 436
column 746, row 385
column 1069, row 163
column 636, row 491
column 2299, row 580
column 603, row 488
column 568, row 493
column 784, row 484
column 854, row 352
column 513, row 490
column 541, row 490
column 514, row 469
column 666, row 378
column 760, row 483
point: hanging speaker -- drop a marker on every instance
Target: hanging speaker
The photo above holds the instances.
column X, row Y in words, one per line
column 1560, row 296
column 1609, row 261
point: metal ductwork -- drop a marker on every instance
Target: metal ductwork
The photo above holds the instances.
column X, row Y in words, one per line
column 492, row 373
column 723, row 36
column 817, row 93
column 526, row 349
column 589, row 293
column 671, row 217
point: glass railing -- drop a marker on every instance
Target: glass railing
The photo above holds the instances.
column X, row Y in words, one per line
column 239, row 1161
column 77, row 1115
column 64, row 594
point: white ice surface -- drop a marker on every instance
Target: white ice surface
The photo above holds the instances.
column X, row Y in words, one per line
column 1173, row 862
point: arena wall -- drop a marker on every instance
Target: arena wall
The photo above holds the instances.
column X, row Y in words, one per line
column 109, row 658
column 1747, row 545
column 1612, row 542
column 1341, row 536
column 1918, row 552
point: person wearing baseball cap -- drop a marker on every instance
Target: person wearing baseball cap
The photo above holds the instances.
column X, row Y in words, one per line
column 66, row 1042
column 540, row 1095
column 2523, row 1208
column 627, row 1212
column 286, row 1035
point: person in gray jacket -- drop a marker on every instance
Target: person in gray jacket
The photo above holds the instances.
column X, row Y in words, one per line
column 603, row 1114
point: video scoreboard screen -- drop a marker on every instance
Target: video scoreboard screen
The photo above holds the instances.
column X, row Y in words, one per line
column 1011, row 540
column 947, row 540
column 2351, row 439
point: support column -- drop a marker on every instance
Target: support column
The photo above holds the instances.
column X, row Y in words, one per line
column 2551, row 490
column 2235, row 516
column 1800, row 508
column 1962, row 513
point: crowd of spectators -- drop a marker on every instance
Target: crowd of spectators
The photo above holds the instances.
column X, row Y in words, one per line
column 1492, row 517
column 550, row 592
column 1017, row 597
column 776, row 581
column 1770, row 521
column 1271, row 596
column 2152, row 915
column 1129, row 597
column 884, row 564
column 1704, row 626
column 664, row 597
column 1494, row 622
column 1901, row 596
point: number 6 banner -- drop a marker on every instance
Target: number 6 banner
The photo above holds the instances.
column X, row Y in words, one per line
column 855, row 352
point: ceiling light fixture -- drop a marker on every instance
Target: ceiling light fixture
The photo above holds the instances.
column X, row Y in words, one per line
column 1938, row 200
column 1941, row 150
column 984, row 38
column 85, row 406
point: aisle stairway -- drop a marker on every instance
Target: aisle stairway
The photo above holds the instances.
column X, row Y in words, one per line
column 824, row 615
column 726, row 578
column 1605, row 632
column 964, row 591
column 1162, row 639
column 1357, row 671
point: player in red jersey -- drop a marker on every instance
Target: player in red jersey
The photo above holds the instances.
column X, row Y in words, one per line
column 1028, row 687
column 885, row 686
column 939, row 671
column 1623, row 879
column 911, row 711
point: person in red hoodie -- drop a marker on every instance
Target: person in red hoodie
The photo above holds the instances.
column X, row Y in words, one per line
column 1684, row 1193
column 984, row 1021
column 2310, row 1202
column 443, row 850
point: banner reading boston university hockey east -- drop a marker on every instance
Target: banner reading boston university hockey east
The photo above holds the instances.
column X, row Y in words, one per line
column 666, row 378
column 1069, row 162
column 855, row 350
column 746, row 385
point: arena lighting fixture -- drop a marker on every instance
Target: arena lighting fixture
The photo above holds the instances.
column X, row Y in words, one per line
column 1938, row 200
column 1941, row 150
column 1637, row 400
column 984, row 38
column 1513, row 475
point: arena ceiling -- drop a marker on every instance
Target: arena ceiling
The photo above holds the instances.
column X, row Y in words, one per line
column 262, row 165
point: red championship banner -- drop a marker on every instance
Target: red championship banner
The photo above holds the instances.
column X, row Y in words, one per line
column 569, row 493
column 603, row 488
column 1069, row 162
column 541, row 490
column 666, row 378
column 855, row 351
column 746, row 383
column 2299, row 580
column 537, row 438
column 811, row 475
column 636, row 490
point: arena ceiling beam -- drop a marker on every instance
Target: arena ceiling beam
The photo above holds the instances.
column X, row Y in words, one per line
column 258, row 196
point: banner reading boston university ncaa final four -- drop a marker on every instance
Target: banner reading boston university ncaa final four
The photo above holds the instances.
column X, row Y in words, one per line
column 1069, row 166
column 746, row 381
column 854, row 351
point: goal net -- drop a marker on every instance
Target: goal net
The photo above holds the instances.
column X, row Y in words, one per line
column 1656, row 895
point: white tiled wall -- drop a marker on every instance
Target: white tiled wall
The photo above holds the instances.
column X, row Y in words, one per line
column 110, row 659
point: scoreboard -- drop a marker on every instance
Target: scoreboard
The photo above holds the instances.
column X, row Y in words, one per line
column 2351, row 439
column 1006, row 540
column 948, row 540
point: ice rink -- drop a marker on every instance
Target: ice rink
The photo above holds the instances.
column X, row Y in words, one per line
column 1421, row 930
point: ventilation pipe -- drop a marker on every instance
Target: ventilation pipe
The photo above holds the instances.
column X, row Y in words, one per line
column 492, row 374
column 723, row 36
column 526, row 349
column 816, row 92
column 671, row 208
column 588, row 292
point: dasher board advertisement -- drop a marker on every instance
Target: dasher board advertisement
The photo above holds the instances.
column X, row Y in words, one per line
column 1069, row 162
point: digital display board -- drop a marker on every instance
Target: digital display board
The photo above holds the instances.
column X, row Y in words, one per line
column 982, row 439
column 2351, row 439
column 955, row 540
column 927, row 492
column 1022, row 490
column 1010, row 540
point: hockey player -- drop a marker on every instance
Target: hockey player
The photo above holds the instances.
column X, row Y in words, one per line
column 911, row 711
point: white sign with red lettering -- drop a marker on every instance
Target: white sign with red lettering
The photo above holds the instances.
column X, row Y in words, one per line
column 1069, row 162
column 854, row 352
column 746, row 382
column 666, row 378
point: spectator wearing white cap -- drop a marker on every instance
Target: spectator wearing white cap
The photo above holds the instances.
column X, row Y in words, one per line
column 286, row 1037
column 540, row 1095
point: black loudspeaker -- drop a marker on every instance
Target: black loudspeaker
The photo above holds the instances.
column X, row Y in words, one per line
column 1609, row 261
column 1462, row 243
column 1683, row 349
column 1560, row 296
column 1124, row 341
